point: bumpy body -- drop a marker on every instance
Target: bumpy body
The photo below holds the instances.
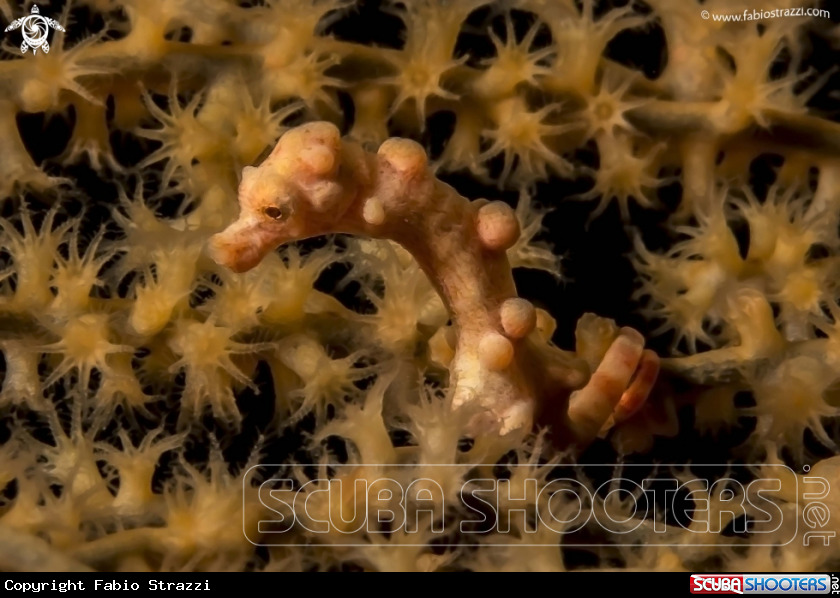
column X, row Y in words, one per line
column 315, row 183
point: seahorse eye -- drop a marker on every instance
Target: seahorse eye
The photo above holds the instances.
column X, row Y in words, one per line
column 275, row 213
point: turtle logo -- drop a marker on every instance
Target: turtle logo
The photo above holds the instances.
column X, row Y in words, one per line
column 35, row 30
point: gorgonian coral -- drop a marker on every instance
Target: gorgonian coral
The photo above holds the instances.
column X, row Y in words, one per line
column 375, row 318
